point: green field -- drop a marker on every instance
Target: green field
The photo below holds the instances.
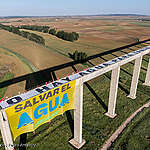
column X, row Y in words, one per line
column 96, row 126
column 7, row 76
column 137, row 134
column 143, row 24
column 96, row 36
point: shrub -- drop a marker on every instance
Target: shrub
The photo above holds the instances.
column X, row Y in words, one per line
column 79, row 56
column 44, row 29
column 36, row 38
column 15, row 30
column 60, row 34
column 24, row 34
column 31, row 36
column 67, row 36
column 52, row 31
column 137, row 39
column 75, row 35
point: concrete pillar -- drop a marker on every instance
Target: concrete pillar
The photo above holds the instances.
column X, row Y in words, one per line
column 135, row 77
column 77, row 141
column 5, row 131
column 113, row 92
column 147, row 79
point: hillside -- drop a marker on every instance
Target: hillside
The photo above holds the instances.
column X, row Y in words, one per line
column 24, row 56
column 95, row 37
column 38, row 55
column 96, row 126
column 14, row 66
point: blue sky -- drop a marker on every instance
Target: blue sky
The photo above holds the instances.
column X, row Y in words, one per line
column 72, row 7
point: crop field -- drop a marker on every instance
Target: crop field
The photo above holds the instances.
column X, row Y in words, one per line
column 97, row 34
column 38, row 55
column 96, row 126
column 16, row 67
column 6, row 76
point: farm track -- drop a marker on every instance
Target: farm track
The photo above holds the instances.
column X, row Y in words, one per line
column 56, row 50
column 116, row 134
column 22, row 58
column 61, row 51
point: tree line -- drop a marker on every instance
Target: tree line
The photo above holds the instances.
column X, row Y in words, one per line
column 31, row 36
column 78, row 56
column 73, row 36
column 44, row 29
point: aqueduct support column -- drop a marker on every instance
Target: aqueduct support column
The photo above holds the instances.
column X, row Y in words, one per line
column 113, row 92
column 135, row 77
column 77, row 141
column 147, row 80
column 5, row 131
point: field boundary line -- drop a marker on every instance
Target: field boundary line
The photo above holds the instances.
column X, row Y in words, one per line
column 22, row 58
column 115, row 135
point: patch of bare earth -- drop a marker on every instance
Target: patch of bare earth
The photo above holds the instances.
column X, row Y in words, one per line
column 10, row 63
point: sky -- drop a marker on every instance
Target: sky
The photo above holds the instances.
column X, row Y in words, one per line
column 72, row 7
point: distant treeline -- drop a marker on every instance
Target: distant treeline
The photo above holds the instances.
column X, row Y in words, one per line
column 31, row 36
column 73, row 36
column 145, row 19
column 44, row 29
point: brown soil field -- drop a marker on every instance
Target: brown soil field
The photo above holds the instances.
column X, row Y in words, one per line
column 38, row 55
column 97, row 34
column 80, row 24
column 15, row 66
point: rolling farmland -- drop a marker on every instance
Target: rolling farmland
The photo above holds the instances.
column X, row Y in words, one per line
column 96, row 35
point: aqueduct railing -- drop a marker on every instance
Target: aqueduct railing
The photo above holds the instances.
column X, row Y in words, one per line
column 81, row 77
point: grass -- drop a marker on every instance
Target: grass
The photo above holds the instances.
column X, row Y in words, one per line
column 142, row 24
column 95, row 35
column 25, row 60
column 36, row 54
column 137, row 135
column 114, row 29
column 16, row 66
column 96, row 126
column 7, row 76
column 61, row 46
column 64, row 47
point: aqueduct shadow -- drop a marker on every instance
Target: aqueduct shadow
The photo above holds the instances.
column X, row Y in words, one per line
column 119, row 85
column 132, row 51
column 39, row 78
column 94, row 93
column 124, row 71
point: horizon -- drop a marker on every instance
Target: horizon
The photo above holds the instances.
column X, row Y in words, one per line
column 111, row 14
column 73, row 8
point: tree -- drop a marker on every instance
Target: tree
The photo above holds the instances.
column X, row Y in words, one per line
column 79, row 56
column 24, row 34
column 70, row 37
column 31, row 36
column 75, row 55
column 15, row 30
column 75, row 35
column 52, row 31
column 45, row 29
column 60, row 34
